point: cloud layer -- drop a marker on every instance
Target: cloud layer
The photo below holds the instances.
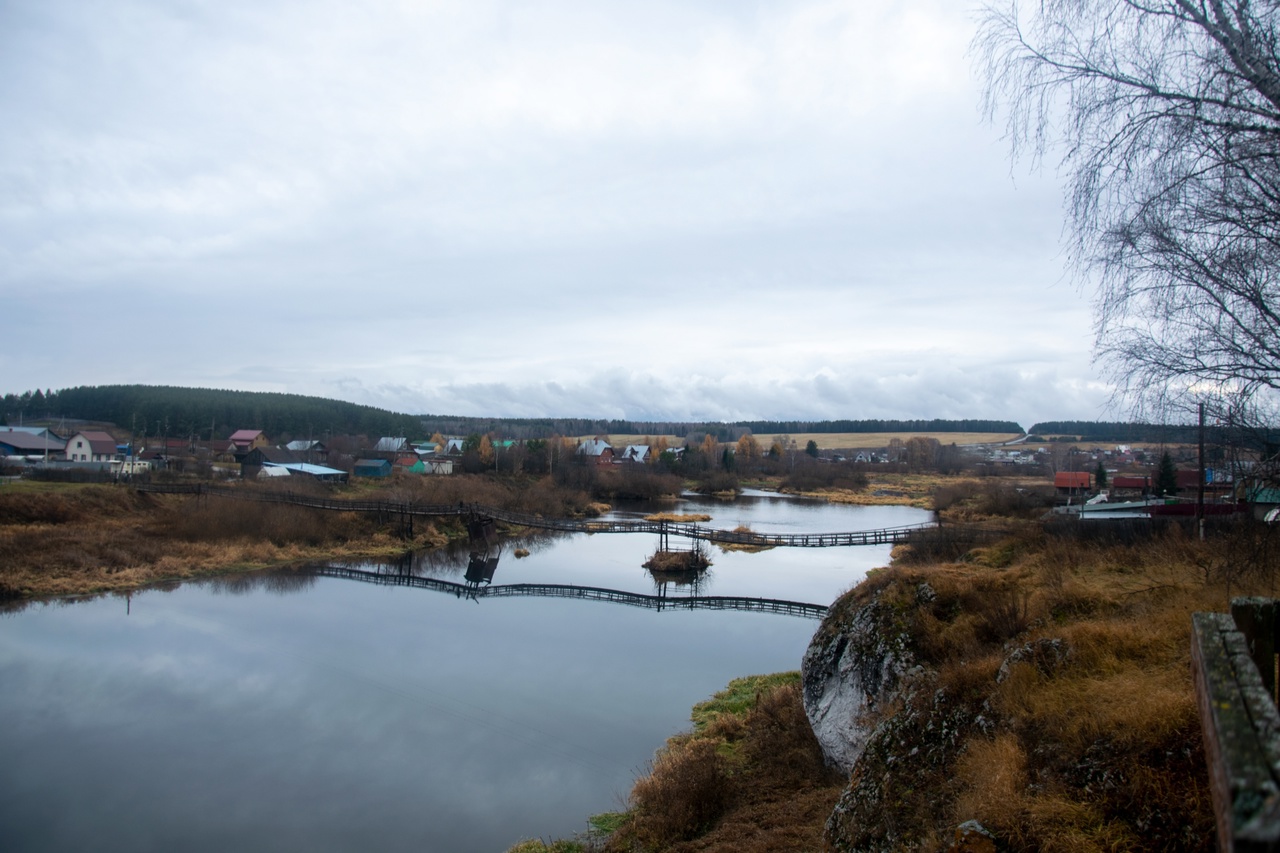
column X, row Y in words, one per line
column 637, row 210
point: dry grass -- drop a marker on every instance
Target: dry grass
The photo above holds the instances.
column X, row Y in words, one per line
column 886, row 489
column 749, row 779
column 679, row 518
column 1095, row 746
column 738, row 546
column 100, row 538
column 873, row 440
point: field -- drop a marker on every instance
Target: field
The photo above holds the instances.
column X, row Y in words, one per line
column 843, row 440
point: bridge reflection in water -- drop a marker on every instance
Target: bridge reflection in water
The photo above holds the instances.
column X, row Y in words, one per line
column 474, row 591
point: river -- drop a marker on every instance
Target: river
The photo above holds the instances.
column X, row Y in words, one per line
column 284, row 710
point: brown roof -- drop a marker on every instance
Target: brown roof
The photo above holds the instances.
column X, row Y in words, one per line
column 1130, row 482
column 242, row 438
column 101, row 443
column 1071, row 479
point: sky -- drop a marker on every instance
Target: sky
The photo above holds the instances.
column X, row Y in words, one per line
column 651, row 211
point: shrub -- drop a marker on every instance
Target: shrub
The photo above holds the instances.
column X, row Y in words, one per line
column 813, row 476
column 636, row 483
column 712, row 482
column 686, row 791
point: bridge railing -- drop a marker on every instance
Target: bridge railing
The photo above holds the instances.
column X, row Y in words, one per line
column 550, row 590
column 886, row 536
column 1234, row 665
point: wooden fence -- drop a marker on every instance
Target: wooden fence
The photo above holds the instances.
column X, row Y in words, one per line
column 1234, row 663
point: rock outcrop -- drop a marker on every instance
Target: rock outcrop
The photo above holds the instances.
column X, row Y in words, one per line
column 852, row 672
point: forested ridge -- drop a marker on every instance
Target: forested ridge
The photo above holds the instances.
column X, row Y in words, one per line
column 180, row 411
column 156, row 409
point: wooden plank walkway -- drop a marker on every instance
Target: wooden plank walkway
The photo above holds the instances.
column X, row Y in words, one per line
column 391, row 509
column 551, row 590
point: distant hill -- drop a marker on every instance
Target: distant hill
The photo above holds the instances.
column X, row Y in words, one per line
column 543, row 427
column 1118, row 431
column 177, row 411
column 154, row 409
column 1266, row 440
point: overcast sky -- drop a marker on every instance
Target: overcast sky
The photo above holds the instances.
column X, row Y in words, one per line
column 649, row 210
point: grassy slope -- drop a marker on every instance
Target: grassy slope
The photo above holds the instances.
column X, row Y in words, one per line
column 1097, row 750
column 71, row 539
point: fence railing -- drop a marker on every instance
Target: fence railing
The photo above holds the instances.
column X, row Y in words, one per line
column 589, row 593
column 1234, row 664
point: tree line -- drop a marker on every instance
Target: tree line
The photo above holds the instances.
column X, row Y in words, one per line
column 174, row 411
column 193, row 411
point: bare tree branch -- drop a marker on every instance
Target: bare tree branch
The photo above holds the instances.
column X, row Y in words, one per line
column 1165, row 118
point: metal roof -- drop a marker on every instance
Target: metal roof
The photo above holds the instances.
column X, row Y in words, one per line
column 305, row 468
column 22, row 440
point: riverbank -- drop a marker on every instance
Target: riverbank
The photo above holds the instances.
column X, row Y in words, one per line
column 62, row 539
column 77, row 539
column 747, row 777
column 1039, row 689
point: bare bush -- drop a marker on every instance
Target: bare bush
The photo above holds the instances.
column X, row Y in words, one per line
column 687, row 790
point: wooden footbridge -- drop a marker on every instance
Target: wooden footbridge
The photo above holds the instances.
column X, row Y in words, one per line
column 479, row 514
column 551, row 590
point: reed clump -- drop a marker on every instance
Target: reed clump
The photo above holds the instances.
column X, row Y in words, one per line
column 750, row 777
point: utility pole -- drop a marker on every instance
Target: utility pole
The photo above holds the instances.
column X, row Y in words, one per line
column 1200, row 486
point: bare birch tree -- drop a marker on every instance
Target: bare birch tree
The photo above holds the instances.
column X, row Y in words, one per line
column 1165, row 115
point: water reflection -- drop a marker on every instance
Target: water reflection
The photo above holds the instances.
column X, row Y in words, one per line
column 286, row 582
column 481, row 568
column 473, row 591
column 287, row 710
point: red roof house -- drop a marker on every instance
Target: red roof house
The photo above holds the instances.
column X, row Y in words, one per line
column 244, row 440
column 1072, row 482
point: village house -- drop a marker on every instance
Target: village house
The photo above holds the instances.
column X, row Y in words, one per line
column 597, row 449
column 388, row 447
column 17, row 442
column 252, row 463
column 1072, row 483
column 437, row 464
column 409, row 463
column 371, row 468
column 91, row 446
column 636, row 453
column 244, row 440
column 1130, row 485
column 313, row 451
column 303, row 469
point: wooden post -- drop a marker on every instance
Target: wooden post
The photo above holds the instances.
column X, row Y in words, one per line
column 1256, row 620
column 1241, row 729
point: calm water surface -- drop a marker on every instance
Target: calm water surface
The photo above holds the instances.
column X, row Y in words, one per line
column 287, row 711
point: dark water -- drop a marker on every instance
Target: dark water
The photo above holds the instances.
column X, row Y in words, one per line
column 285, row 711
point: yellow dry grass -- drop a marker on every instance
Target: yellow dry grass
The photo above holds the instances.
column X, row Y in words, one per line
column 889, row 490
column 96, row 539
column 1090, row 752
column 678, row 517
